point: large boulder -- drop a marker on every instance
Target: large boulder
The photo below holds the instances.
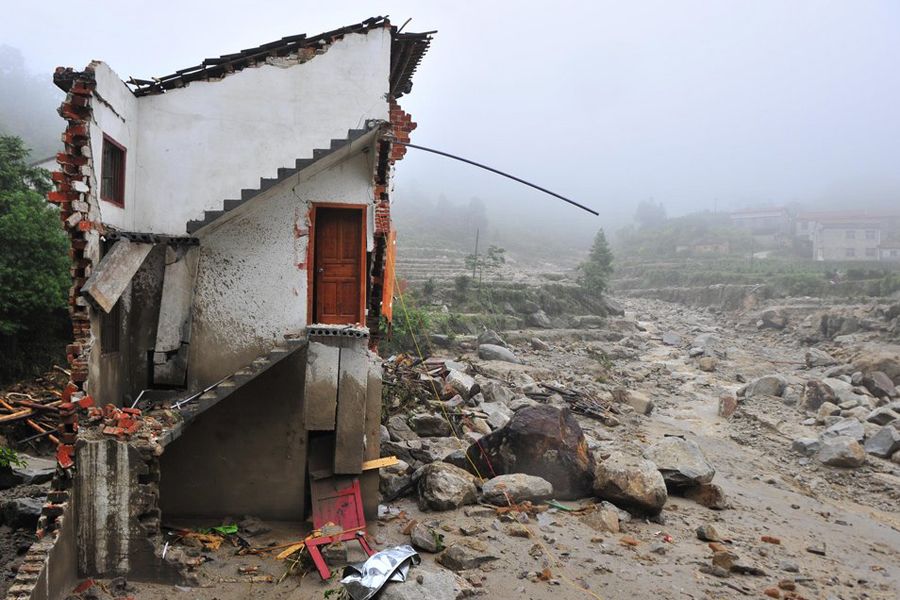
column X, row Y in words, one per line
column 543, row 440
column 443, row 486
column 841, row 451
column 769, row 385
column 633, row 483
column 681, row 462
column 493, row 352
column 21, row 513
column 399, row 429
column 885, row 442
column 884, row 361
column 515, row 487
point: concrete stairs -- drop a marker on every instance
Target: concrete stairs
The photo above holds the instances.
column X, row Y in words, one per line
column 211, row 216
column 196, row 404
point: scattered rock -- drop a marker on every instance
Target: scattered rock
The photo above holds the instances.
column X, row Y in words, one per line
column 467, row 554
column 539, row 344
column 492, row 352
column 632, row 482
column 681, row 462
column 515, row 487
column 710, row 495
column 841, row 451
column 428, row 425
column 22, row 513
column 772, row 319
column 400, row 430
column 539, row 440
column 393, row 479
column 806, row 446
column 494, row 391
column 539, row 319
column 670, row 338
column 463, row 384
column 433, row 584
column 827, row 409
column 727, row 405
column 603, row 519
column 708, row 533
column 846, row 428
column 708, row 363
column 253, row 526
column 426, row 538
column 816, row 393
column 819, row 358
column 612, row 307
column 884, row 443
column 769, row 385
column 883, row 416
column 443, row 486
column 498, row 414
column 879, row 384
column 489, row 336
column 639, row 401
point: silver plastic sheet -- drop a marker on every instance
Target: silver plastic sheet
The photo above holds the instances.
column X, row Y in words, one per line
column 364, row 580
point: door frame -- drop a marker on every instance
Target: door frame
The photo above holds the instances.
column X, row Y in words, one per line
column 362, row 209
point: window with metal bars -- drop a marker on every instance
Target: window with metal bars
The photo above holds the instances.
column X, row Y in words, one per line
column 112, row 172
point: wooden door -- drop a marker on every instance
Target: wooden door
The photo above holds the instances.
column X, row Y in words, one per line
column 338, row 266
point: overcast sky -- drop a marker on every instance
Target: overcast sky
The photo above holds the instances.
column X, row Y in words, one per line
column 695, row 104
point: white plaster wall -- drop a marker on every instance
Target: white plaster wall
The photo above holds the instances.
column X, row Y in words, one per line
column 201, row 144
column 252, row 275
column 115, row 111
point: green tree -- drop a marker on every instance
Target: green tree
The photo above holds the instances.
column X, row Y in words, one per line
column 34, row 264
column 595, row 271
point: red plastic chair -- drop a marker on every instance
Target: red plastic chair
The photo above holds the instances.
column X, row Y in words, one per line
column 337, row 500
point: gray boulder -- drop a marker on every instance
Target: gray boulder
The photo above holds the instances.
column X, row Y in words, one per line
column 670, row 338
column 443, row 486
column 639, row 401
column 819, row 358
column 681, row 462
column 539, row 344
column 515, row 487
column 539, row 319
column 612, row 307
column 498, row 414
column 465, row 555
column 429, row 539
column 827, row 410
column 769, row 385
column 400, row 430
column 772, row 319
column 462, row 384
column 879, row 384
column 884, row 443
column 806, row 446
column 492, row 352
column 630, row 482
column 849, row 427
column 489, row 336
column 816, row 393
column 426, row 582
column 22, row 513
column 841, row 451
column 393, row 479
column 428, row 425
column 494, row 391
column 882, row 416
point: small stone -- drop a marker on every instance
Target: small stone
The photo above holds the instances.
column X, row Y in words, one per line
column 884, row 443
column 515, row 488
column 851, row 428
column 708, row 533
column 426, row 538
column 806, row 446
column 708, row 364
column 818, row 548
column 710, row 495
column 462, row 556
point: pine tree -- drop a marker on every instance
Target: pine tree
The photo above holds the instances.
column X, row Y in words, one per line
column 595, row 271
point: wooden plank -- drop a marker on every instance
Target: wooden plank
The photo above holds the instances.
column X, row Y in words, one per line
column 379, row 463
column 114, row 272
column 351, row 410
column 321, row 387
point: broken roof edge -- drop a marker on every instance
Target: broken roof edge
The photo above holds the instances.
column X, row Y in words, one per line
column 407, row 50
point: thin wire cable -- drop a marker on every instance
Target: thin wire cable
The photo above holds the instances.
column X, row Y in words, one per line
column 498, row 172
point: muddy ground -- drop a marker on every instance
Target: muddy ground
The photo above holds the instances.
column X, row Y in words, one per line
column 849, row 517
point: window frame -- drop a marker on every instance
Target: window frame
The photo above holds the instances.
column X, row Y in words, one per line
column 120, row 200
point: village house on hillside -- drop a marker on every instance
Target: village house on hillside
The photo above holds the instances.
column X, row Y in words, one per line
column 232, row 258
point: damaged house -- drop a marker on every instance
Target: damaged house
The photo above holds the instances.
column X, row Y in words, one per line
column 230, row 236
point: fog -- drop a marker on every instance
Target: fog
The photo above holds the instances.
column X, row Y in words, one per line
column 697, row 105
